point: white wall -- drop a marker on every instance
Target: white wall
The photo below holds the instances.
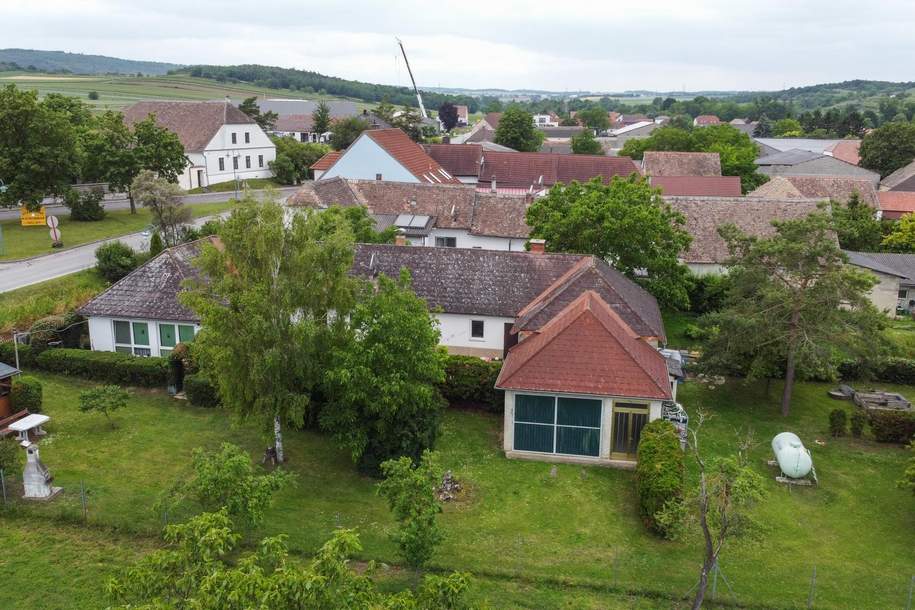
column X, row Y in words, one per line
column 101, row 332
column 701, row 269
column 364, row 159
column 455, row 332
column 465, row 240
column 221, row 147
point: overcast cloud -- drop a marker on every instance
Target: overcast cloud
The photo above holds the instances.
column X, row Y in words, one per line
column 598, row 46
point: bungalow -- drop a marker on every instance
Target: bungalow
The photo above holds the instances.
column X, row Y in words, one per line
column 797, row 162
column 220, row 141
column 299, row 127
column 667, row 163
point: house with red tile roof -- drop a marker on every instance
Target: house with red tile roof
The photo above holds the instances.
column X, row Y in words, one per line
column 463, row 115
column 537, row 172
column 698, row 186
column 387, row 154
column 324, row 163
column 895, row 204
column 704, row 120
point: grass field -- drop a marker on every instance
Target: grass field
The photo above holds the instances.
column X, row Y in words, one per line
column 225, row 187
column 20, row 308
column 23, row 242
column 116, row 92
column 533, row 540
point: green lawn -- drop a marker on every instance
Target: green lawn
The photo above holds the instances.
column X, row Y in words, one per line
column 23, row 242
column 225, row 187
column 20, row 307
column 675, row 323
column 532, row 540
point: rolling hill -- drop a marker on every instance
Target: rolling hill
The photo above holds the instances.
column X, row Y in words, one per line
column 79, row 63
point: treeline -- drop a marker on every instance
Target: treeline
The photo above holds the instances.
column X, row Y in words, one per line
column 830, row 94
column 313, row 82
column 61, row 62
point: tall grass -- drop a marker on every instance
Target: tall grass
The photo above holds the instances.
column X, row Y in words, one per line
column 20, row 308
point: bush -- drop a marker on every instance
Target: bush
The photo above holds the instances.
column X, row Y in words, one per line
column 45, row 331
column 8, row 354
column 200, row 391
column 26, row 394
column 111, row 367
column 156, row 245
column 858, row 420
column 10, row 456
column 115, row 260
column 695, row 332
column 659, row 473
column 85, row 207
column 837, row 422
column 892, row 426
column 707, row 293
column 470, row 381
column 897, row 370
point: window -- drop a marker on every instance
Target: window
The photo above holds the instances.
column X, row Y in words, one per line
column 222, row 164
column 234, row 138
column 234, row 162
column 131, row 338
column 247, row 138
column 303, row 137
column 247, row 162
column 476, row 329
column 172, row 334
column 550, row 424
column 446, row 242
column 260, row 160
column 902, row 294
column 377, row 176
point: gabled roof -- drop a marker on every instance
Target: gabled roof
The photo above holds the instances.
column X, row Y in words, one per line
column 698, row 186
column 410, row 155
column 500, row 215
column 195, row 123
column 492, row 119
column 903, row 264
column 522, row 170
column 867, row 261
column 294, row 122
column 838, row 188
column 847, row 150
column 844, row 150
column 898, row 177
column 285, row 107
column 795, row 156
column 669, row 163
column 753, row 216
column 150, row 292
column 457, row 159
column 561, row 132
column 634, row 127
column 895, row 204
column 586, row 349
column 325, row 162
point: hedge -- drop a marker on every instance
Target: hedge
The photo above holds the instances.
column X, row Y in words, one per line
column 26, row 394
column 891, row 370
column 200, row 392
column 110, row 367
column 891, row 426
column 660, row 470
column 470, row 381
column 8, row 356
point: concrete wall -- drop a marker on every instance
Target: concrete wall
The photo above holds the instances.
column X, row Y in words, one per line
column 465, row 240
column 101, row 333
column 885, row 294
column 455, row 334
column 364, row 159
column 823, row 166
column 701, row 269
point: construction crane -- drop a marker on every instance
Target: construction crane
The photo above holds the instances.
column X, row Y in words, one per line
column 419, row 98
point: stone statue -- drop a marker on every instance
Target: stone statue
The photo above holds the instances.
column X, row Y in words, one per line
column 36, row 478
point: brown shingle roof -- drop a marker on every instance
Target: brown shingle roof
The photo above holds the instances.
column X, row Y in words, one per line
column 901, row 175
column 195, row 123
column 839, row 188
column 325, row 162
column 522, row 170
column 707, row 119
column 492, row 119
column 698, row 186
column 500, row 215
column 667, row 163
column 895, row 204
column 411, row 155
column 751, row 215
column 294, row 122
column 457, row 159
column 587, row 349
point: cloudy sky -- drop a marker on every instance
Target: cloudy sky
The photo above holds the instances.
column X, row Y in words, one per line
column 588, row 45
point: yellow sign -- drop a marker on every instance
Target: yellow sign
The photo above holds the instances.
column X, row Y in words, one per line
column 32, row 219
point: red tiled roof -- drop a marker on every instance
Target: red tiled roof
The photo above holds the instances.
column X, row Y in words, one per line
column 493, row 118
column 698, row 186
column 895, row 204
column 457, row 159
column 411, row 155
column 707, row 119
column 673, row 163
column 327, row 160
column 847, row 150
column 521, row 170
column 587, row 349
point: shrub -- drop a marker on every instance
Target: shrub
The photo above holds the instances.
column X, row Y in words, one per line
column 110, row 367
column 659, row 474
column 200, row 391
column 114, row 260
column 858, row 420
column 707, row 293
column 695, row 332
column 156, row 245
column 93, row 95
column 10, row 456
column 8, row 354
column 85, row 207
column 897, row 370
column 104, row 399
column 45, row 331
column 892, row 426
column 837, row 422
column 471, row 380
column 26, row 393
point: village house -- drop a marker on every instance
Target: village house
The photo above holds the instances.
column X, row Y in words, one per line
column 299, row 127
column 220, row 141
column 463, row 115
column 617, row 137
column 895, row 289
column 903, row 179
column 843, row 150
column 823, row 188
column 895, row 204
column 797, row 162
column 698, row 186
column 704, row 120
column 667, row 163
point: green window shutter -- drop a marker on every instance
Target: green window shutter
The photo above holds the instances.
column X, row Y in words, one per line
column 185, row 333
column 534, row 437
column 122, row 332
column 535, row 409
column 167, row 335
column 578, row 441
column 140, row 333
column 578, row 412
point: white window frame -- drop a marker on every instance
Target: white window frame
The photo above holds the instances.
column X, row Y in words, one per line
column 247, row 137
column 234, row 138
column 165, row 350
column 222, row 164
column 482, row 337
column 445, row 239
column 133, row 346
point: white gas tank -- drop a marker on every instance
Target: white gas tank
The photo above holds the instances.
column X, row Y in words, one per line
column 791, row 455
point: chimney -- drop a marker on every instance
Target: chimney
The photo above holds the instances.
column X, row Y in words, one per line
column 400, row 239
column 492, row 185
column 538, row 246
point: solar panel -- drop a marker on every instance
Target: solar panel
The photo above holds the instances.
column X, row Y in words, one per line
column 419, row 221
column 403, row 220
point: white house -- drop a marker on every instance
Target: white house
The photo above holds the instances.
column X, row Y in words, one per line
column 299, row 127
column 221, row 142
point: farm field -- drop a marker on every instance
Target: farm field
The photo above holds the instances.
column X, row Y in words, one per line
column 531, row 538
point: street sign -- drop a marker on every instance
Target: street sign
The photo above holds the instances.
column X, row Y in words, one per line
column 32, row 219
column 55, row 234
column 53, row 222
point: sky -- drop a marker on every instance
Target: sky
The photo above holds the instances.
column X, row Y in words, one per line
column 662, row 45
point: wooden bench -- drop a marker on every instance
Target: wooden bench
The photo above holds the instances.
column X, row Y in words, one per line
column 6, row 421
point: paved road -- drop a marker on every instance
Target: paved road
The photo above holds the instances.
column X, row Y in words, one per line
column 25, row 273
column 122, row 203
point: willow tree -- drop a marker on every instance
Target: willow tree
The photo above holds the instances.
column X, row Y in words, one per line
column 270, row 302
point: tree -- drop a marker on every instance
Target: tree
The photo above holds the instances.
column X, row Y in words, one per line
column 114, row 260
column 38, row 149
column 103, row 399
column 764, row 128
column 158, row 150
column 410, row 492
column 294, row 158
column 156, row 245
column 93, row 95
column 266, row 311
column 383, row 400
column 787, row 128
column 594, row 117
column 888, row 148
column 448, row 115
column 266, row 120
column 85, row 206
column 320, row 118
column 202, row 567
column 857, row 226
column 360, row 223
column 665, row 138
column 792, row 305
column 344, row 132
column 736, row 150
column 585, row 143
column 225, row 479
column 516, row 130
column 626, row 223
column 901, row 237
column 169, row 214
column 10, row 456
